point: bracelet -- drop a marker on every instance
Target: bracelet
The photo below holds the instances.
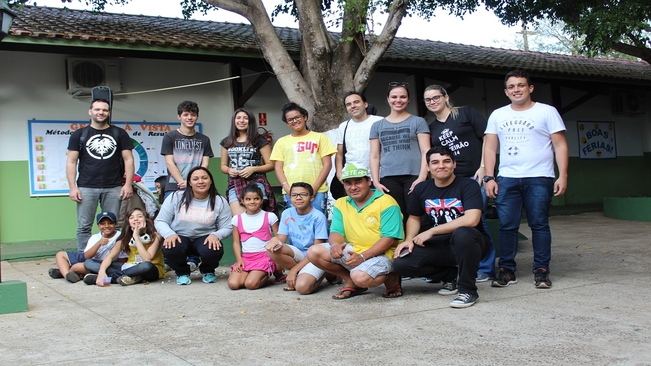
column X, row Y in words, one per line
column 362, row 255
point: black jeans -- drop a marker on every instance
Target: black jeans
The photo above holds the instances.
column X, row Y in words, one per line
column 440, row 256
column 177, row 256
column 398, row 186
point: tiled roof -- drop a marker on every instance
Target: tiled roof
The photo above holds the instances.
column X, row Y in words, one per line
column 175, row 34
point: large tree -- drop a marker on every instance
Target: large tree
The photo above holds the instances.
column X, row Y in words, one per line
column 621, row 25
column 330, row 64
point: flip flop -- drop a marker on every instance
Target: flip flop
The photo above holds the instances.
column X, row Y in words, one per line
column 393, row 292
column 353, row 291
column 287, row 288
column 282, row 279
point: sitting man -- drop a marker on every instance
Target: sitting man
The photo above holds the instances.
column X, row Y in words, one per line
column 366, row 228
column 459, row 241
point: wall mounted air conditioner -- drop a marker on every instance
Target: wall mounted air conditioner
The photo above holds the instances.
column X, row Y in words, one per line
column 630, row 103
column 85, row 73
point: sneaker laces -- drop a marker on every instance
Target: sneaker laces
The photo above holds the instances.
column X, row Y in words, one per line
column 463, row 297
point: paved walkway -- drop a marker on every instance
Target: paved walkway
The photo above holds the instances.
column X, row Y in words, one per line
column 597, row 313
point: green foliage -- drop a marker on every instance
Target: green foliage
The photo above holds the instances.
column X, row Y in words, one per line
column 602, row 24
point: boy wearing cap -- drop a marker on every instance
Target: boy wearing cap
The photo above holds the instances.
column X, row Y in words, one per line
column 70, row 265
column 366, row 228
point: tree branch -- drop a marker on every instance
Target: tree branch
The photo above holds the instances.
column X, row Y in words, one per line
column 381, row 44
column 642, row 52
column 292, row 82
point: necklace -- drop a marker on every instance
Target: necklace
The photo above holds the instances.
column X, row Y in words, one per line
column 186, row 134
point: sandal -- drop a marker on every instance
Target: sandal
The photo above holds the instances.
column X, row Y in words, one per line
column 352, row 292
column 393, row 292
column 287, row 288
column 281, row 279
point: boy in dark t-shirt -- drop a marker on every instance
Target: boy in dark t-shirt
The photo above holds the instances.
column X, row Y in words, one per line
column 184, row 148
column 452, row 210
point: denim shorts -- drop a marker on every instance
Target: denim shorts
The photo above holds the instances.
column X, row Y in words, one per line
column 232, row 195
column 75, row 257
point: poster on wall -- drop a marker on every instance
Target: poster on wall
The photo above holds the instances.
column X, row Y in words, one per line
column 596, row 140
column 48, row 147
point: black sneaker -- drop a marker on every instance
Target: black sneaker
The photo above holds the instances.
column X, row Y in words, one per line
column 449, row 288
column 464, row 301
column 541, row 278
column 504, row 278
column 73, row 277
column 54, row 273
column 90, row 279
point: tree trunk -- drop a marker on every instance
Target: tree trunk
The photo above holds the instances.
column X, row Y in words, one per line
column 328, row 69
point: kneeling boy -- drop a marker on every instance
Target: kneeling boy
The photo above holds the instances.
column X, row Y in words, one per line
column 304, row 226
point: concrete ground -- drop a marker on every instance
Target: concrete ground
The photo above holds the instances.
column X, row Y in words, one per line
column 597, row 313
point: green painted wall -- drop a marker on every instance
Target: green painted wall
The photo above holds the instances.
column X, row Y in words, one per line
column 23, row 218
column 592, row 180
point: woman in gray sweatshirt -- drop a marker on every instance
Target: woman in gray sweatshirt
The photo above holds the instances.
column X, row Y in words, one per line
column 194, row 221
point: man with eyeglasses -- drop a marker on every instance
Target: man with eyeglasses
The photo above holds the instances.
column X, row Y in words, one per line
column 530, row 134
column 366, row 228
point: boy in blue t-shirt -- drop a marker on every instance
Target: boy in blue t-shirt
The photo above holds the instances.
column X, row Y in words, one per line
column 304, row 226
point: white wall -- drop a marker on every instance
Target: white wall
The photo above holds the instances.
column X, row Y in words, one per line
column 34, row 87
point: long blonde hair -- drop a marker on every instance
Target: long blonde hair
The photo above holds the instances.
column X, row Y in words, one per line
column 453, row 110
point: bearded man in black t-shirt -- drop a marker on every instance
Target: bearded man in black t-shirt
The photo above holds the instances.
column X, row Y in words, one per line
column 451, row 210
column 104, row 156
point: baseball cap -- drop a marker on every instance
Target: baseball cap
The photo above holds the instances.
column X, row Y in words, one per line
column 110, row 215
column 351, row 171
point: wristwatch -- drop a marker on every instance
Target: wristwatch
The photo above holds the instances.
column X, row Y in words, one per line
column 488, row 178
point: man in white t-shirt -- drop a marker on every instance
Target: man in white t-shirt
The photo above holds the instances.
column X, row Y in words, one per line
column 354, row 133
column 525, row 131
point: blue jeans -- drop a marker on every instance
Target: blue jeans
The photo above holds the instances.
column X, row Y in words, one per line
column 108, row 198
column 93, row 265
column 146, row 270
column 487, row 264
column 319, row 202
column 535, row 194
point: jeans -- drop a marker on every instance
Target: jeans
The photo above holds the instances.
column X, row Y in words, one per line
column 398, row 186
column 441, row 255
column 535, row 194
column 93, row 265
column 319, row 202
column 108, row 198
column 487, row 264
column 177, row 255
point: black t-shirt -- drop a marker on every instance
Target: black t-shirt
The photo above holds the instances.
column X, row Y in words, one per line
column 241, row 156
column 464, row 137
column 100, row 159
column 438, row 206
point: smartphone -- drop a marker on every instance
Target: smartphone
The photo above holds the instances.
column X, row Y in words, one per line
column 404, row 252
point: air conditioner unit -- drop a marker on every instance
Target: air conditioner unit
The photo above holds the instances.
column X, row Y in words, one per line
column 629, row 103
column 83, row 74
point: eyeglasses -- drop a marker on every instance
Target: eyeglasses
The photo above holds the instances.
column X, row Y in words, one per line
column 295, row 119
column 395, row 84
column 435, row 99
column 302, row 194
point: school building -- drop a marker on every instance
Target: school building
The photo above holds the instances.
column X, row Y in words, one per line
column 52, row 57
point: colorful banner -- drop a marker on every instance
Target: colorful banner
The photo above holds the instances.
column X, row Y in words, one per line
column 597, row 140
column 48, row 147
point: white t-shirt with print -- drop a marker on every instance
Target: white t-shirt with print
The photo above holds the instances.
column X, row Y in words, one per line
column 525, row 140
column 358, row 146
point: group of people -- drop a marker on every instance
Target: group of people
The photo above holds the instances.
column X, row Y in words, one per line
column 392, row 224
